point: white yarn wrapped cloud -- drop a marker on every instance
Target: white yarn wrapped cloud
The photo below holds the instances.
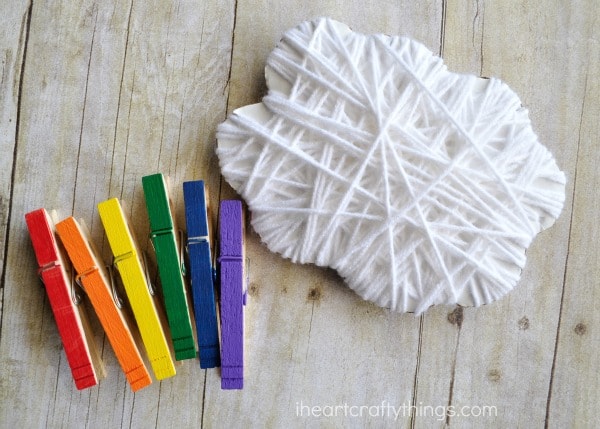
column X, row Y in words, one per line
column 418, row 185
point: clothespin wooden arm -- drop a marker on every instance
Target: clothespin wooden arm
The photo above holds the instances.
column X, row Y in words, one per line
column 84, row 360
column 132, row 274
column 95, row 280
column 201, row 273
column 231, row 263
column 165, row 241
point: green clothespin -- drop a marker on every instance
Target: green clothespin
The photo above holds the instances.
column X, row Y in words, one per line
column 164, row 238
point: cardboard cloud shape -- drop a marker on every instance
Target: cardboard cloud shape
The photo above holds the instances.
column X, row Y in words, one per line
column 418, row 185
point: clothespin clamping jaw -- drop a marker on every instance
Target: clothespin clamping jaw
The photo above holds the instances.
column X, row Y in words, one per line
column 127, row 261
column 73, row 326
column 98, row 285
column 165, row 240
column 201, row 272
column 231, row 273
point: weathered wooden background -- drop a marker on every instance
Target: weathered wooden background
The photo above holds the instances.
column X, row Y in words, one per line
column 96, row 94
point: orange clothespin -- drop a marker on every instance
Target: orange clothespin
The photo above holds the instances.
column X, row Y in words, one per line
column 71, row 319
column 93, row 277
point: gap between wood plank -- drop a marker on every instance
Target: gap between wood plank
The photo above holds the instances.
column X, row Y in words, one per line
column 412, row 419
column 228, row 84
column 87, row 79
column 443, row 27
column 482, row 27
column 459, row 320
column 112, row 163
column 22, row 46
column 227, row 88
column 562, row 295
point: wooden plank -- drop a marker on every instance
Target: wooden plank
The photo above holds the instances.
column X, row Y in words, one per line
column 48, row 137
column 515, row 367
column 575, row 382
column 14, row 31
column 499, row 355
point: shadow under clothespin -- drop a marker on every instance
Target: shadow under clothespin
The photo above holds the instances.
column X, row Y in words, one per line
column 76, row 296
column 116, row 294
column 181, row 251
column 247, row 279
column 146, row 267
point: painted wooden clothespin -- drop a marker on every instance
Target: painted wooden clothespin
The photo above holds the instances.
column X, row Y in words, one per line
column 201, row 272
column 71, row 319
column 165, row 239
column 231, row 273
column 127, row 261
column 96, row 282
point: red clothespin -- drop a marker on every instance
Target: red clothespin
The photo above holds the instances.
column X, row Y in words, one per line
column 72, row 322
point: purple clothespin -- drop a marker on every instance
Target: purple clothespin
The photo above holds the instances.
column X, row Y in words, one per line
column 231, row 263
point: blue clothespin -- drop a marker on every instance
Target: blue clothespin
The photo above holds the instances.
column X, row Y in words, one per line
column 201, row 273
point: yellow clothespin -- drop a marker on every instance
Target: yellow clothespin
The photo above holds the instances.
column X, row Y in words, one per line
column 127, row 261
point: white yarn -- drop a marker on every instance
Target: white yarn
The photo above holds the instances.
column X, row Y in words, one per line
column 419, row 186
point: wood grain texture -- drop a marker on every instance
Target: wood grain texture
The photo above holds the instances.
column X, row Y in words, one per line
column 14, row 32
column 107, row 92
